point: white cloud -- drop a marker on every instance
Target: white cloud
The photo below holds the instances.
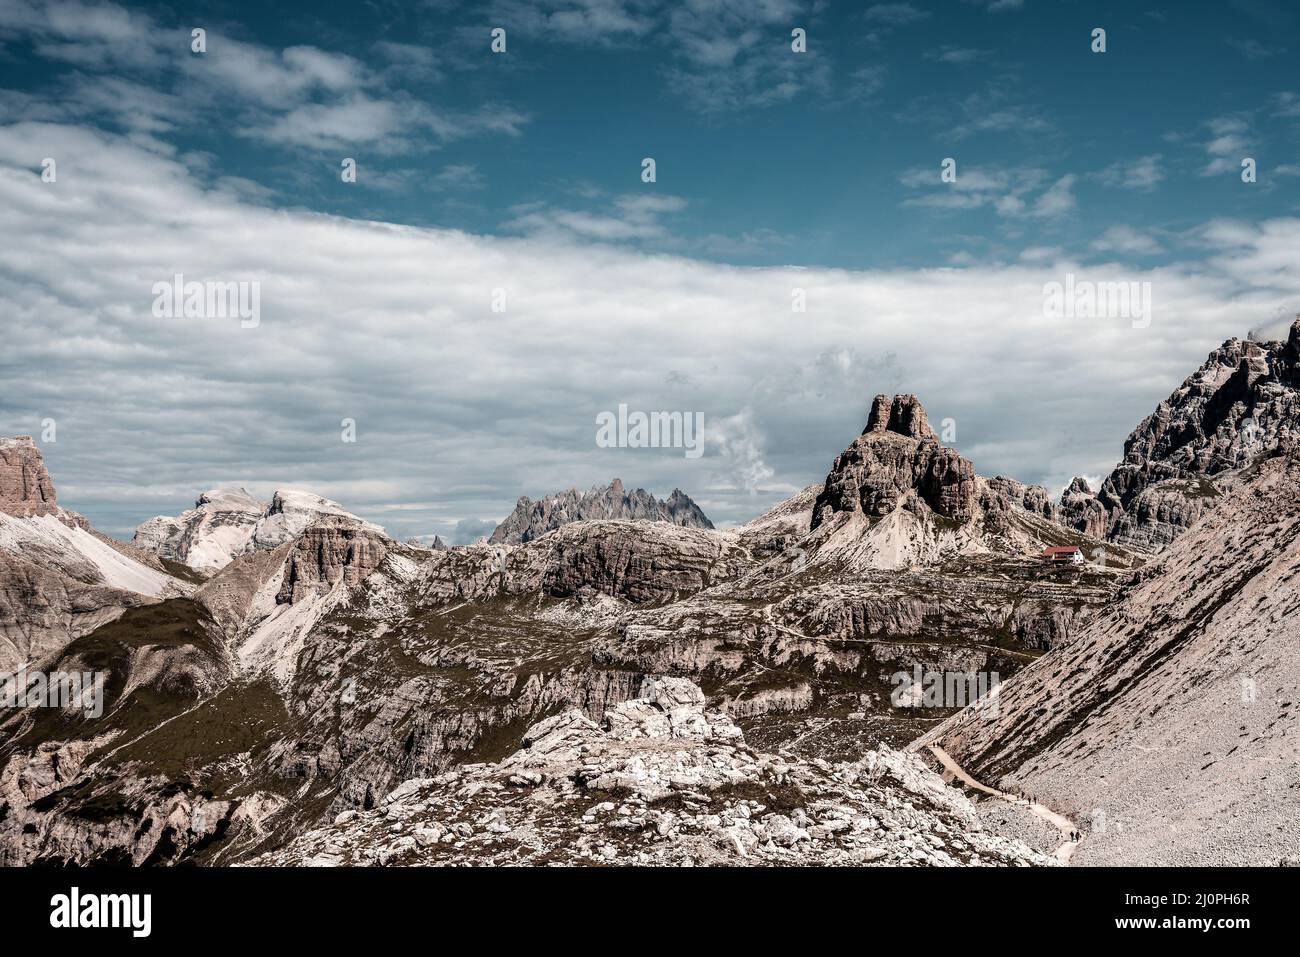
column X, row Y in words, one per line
column 459, row 409
column 1006, row 191
column 1057, row 199
column 1126, row 240
column 720, row 56
column 633, row 216
column 738, row 56
column 1253, row 49
column 956, row 55
column 1227, row 146
column 458, row 176
column 578, row 21
column 300, row 96
column 1143, row 173
column 1287, row 104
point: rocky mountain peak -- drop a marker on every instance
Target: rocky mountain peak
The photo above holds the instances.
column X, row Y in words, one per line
column 229, row 498
column 898, row 462
column 903, row 414
column 531, row 519
column 1292, row 350
column 25, row 485
column 1243, row 401
column 228, row 522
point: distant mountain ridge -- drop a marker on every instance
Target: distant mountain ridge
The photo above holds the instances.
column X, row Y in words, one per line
column 226, row 523
column 531, row 519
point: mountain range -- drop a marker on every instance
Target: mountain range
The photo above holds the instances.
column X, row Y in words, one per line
column 612, row 679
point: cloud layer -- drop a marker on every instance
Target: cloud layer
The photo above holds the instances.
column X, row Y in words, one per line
column 460, row 409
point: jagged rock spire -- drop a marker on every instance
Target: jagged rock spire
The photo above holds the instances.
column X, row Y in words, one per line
column 903, row 415
column 531, row 519
column 25, row 485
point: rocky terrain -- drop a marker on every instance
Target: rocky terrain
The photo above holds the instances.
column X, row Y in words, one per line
column 1244, row 400
column 805, row 646
column 25, row 486
column 1167, row 727
column 59, row 578
column 614, row 680
column 660, row 781
column 322, row 664
column 532, row 519
column 226, row 523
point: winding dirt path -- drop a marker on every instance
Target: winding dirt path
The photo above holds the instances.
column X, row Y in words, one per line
column 1059, row 821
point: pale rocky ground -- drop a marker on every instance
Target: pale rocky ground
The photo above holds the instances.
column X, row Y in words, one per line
column 1167, row 728
column 663, row 782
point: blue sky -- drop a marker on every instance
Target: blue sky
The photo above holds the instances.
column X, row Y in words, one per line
column 522, row 169
column 764, row 156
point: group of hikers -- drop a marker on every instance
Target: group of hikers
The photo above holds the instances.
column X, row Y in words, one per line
column 1075, row 836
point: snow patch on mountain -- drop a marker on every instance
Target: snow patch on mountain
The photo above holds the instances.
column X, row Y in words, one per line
column 227, row 523
column 56, row 541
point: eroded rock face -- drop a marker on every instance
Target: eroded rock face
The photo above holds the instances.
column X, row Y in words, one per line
column 650, row 563
column 25, row 486
column 1082, row 510
column 1031, row 498
column 531, row 519
column 1161, row 512
column 903, row 415
column 333, row 550
column 41, row 609
column 208, row 536
column 1241, row 403
column 896, row 462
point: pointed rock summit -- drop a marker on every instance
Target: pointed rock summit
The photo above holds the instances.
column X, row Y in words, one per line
column 25, row 486
column 902, row 415
column 897, row 461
